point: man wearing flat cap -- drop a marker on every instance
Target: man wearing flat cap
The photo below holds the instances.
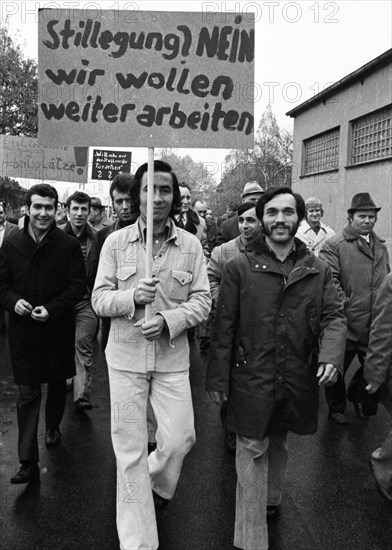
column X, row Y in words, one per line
column 97, row 217
column 229, row 229
column 359, row 262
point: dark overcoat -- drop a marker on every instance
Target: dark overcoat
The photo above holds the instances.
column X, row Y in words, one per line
column 92, row 252
column 378, row 366
column 49, row 274
column 228, row 231
column 358, row 272
column 270, row 334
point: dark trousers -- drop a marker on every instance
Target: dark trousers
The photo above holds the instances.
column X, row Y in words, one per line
column 28, row 407
column 2, row 319
column 105, row 331
column 336, row 394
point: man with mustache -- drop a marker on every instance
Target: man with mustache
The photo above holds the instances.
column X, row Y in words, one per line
column 279, row 335
column 359, row 261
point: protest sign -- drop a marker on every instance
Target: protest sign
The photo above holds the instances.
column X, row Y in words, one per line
column 23, row 157
column 152, row 79
column 106, row 164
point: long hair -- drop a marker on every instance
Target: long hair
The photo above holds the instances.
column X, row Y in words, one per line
column 159, row 166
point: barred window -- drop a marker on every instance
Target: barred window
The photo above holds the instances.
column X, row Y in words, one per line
column 372, row 136
column 322, row 152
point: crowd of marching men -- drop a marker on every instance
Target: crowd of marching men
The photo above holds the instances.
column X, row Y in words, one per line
column 281, row 304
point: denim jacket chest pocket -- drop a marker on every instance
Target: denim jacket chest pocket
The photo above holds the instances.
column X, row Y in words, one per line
column 180, row 282
column 125, row 276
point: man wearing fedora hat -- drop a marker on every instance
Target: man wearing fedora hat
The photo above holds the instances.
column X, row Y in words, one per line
column 229, row 229
column 359, row 262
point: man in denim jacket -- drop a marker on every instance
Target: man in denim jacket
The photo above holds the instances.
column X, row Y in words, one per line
column 150, row 359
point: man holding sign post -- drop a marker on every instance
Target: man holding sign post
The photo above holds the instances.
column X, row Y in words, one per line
column 152, row 79
column 150, row 358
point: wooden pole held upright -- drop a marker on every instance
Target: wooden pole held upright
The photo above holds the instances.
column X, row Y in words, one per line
column 149, row 222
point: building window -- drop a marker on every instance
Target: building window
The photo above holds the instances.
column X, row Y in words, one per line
column 322, row 152
column 372, row 136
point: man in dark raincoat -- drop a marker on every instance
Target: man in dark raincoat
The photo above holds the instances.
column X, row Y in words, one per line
column 42, row 278
column 378, row 374
column 280, row 333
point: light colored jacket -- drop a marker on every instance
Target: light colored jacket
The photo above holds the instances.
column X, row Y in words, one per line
column 219, row 258
column 182, row 298
column 314, row 241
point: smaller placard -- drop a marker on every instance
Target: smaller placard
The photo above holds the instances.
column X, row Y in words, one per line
column 106, row 164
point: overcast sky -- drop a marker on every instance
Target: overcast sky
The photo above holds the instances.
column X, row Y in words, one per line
column 301, row 47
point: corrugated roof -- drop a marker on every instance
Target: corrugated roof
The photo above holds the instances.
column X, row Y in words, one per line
column 359, row 74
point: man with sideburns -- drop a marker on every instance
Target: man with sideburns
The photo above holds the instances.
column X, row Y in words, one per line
column 279, row 335
column 150, row 359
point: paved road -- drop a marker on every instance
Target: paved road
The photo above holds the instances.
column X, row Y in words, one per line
column 330, row 503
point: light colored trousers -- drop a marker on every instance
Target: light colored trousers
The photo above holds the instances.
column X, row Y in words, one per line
column 138, row 473
column 86, row 326
column 261, row 472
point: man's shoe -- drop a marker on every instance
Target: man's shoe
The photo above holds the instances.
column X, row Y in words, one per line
column 52, row 437
column 359, row 410
column 28, row 472
column 83, row 405
column 231, row 443
column 160, row 503
column 272, row 512
column 151, row 447
column 338, row 418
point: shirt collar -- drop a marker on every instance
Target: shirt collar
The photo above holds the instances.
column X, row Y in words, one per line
column 32, row 234
column 305, row 226
column 171, row 230
column 365, row 238
column 291, row 251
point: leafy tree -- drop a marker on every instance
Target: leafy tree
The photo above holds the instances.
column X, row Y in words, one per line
column 11, row 193
column 269, row 162
column 18, row 89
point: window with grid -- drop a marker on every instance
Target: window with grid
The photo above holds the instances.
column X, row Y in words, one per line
column 372, row 136
column 322, row 152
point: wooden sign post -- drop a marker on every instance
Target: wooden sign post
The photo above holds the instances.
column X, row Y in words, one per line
column 149, row 222
column 146, row 79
